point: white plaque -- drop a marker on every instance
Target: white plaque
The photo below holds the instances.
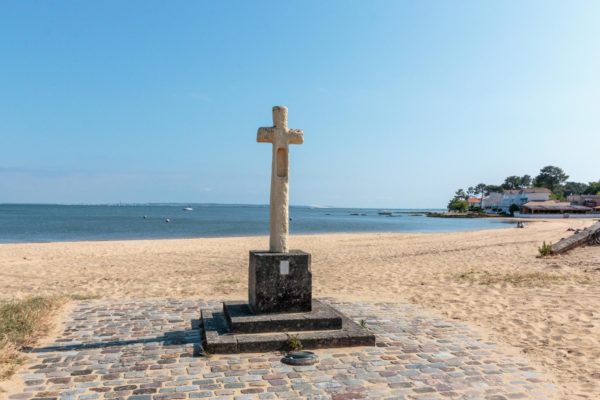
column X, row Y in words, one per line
column 284, row 267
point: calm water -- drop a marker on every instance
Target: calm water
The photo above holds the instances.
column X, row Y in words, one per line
column 55, row 223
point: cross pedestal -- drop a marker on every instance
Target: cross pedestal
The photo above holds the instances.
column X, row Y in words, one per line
column 279, row 281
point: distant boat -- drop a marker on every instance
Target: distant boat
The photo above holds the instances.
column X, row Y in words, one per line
column 383, row 212
column 188, row 209
column 167, row 220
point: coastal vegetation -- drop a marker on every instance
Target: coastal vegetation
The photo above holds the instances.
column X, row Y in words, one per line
column 518, row 278
column 460, row 214
column 21, row 324
column 550, row 177
column 545, row 249
column 293, row 343
column 458, row 204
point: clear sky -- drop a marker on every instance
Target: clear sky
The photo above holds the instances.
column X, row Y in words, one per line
column 401, row 102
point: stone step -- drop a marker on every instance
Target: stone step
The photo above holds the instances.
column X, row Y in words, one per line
column 217, row 339
column 241, row 320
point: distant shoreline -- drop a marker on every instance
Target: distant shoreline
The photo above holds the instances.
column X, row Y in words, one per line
column 323, row 207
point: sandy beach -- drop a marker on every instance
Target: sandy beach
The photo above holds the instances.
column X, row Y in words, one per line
column 547, row 309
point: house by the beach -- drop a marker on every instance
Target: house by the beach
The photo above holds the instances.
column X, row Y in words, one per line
column 553, row 207
column 588, row 200
column 474, row 202
column 492, row 201
column 503, row 201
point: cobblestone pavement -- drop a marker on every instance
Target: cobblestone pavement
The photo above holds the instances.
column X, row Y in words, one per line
column 149, row 350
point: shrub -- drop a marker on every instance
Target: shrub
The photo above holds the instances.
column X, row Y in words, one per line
column 545, row 249
column 293, row 343
column 513, row 209
column 459, row 205
column 21, row 323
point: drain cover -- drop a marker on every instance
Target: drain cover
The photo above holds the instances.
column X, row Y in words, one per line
column 300, row 358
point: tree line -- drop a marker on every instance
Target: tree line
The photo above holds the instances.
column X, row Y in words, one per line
column 549, row 177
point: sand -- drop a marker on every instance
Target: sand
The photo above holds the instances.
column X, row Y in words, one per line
column 548, row 309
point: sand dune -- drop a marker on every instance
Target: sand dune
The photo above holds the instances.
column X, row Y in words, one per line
column 548, row 308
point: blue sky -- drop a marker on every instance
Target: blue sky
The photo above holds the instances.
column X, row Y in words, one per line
column 401, row 102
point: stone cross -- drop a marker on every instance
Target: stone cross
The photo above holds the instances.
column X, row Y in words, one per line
column 280, row 136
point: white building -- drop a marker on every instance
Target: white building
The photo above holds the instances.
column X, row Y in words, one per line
column 492, row 201
column 503, row 201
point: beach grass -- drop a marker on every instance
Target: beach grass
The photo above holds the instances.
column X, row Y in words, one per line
column 22, row 322
column 545, row 249
column 529, row 279
column 80, row 296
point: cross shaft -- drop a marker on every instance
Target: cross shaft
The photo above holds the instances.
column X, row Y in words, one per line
column 281, row 137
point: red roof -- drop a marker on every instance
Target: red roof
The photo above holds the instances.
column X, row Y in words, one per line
column 473, row 200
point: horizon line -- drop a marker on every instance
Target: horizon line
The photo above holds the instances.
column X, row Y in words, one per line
column 122, row 204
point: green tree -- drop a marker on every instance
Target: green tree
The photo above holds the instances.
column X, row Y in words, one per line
column 512, row 182
column 493, row 188
column 517, row 182
column 575, row 188
column 552, row 178
column 480, row 190
column 458, row 204
column 513, row 209
column 460, row 194
column 593, row 188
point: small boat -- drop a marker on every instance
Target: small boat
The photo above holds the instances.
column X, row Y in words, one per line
column 168, row 220
column 188, row 209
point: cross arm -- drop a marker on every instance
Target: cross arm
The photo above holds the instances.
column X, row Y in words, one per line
column 296, row 136
column 265, row 135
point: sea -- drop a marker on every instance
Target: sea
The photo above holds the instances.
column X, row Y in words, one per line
column 23, row 223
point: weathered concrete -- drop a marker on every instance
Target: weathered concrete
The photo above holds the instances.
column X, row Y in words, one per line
column 217, row 339
column 281, row 137
column 241, row 320
column 237, row 330
column 589, row 235
column 279, row 282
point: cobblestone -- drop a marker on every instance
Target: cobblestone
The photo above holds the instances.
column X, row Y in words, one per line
column 150, row 350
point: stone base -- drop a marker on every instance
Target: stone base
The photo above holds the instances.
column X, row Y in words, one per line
column 217, row 336
column 279, row 282
column 240, row 319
